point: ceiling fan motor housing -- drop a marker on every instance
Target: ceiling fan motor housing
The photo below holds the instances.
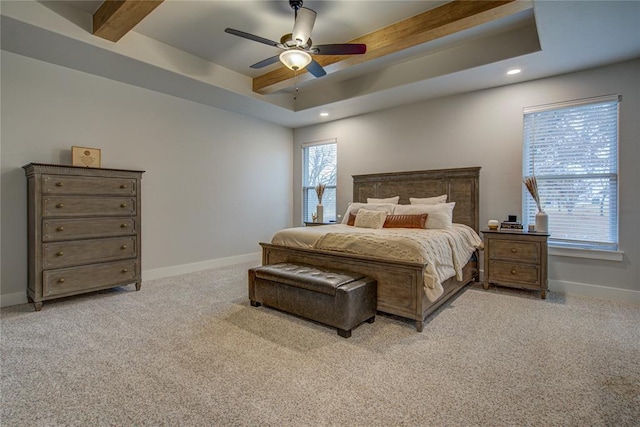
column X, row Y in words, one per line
column 295, row 4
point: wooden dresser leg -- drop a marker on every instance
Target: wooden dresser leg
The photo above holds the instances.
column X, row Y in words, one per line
column 37, row 306
column 419, row 325
column 138, row 285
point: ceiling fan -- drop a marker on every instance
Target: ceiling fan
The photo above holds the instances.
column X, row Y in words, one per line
column 297, row 45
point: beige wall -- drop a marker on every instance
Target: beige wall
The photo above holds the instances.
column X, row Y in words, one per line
column 216, row 183
column 484, row 129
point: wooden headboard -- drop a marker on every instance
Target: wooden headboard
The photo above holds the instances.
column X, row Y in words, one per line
column 460, row 185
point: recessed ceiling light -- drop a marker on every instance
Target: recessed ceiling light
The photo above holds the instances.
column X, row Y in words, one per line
column 514, row 71
column 324, row 114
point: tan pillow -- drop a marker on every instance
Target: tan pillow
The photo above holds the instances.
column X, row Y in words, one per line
column 392, row 200
column 354, row 207
column 370, row 219
column 406, row 221
column 428, row 200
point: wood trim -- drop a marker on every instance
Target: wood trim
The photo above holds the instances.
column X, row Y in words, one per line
column 430, row 25
column 115, row 18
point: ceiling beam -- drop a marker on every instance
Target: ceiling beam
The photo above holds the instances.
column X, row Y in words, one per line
column 115, row 18
column 433, row 24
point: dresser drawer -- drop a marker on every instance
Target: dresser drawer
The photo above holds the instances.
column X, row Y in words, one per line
column 514, row 250
column 64, row 254
column 81, row 279
column 69, row 206
column 61, row 184
column 67, row 229
column 511, row 272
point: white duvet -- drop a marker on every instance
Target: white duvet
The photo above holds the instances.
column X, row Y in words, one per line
column 443, row 251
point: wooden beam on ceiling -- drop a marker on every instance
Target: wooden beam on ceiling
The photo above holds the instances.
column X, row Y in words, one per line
column 433, row 24
column 115, row 18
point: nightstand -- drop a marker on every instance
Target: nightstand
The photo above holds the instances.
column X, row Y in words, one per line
column 516, row 259
column 313, row 224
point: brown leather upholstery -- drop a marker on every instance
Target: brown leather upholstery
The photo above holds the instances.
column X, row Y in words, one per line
column 339, row 299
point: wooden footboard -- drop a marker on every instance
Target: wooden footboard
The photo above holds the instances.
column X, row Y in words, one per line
column 400, row 284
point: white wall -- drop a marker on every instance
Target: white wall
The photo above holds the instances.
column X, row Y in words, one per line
column 484, row 129
column 210, row 174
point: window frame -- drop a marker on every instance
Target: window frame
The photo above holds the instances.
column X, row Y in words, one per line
column 331, row 213
column 574, row 247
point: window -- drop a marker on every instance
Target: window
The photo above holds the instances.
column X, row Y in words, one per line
column 320, row 166
column 572, row 150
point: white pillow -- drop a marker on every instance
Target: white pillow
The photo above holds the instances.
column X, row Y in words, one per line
column 428, row 200
column 439, row 216
column 370, row 219
column 393, row 200
column 354, row 207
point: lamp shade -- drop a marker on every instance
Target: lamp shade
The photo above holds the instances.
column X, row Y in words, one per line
column 295, row 59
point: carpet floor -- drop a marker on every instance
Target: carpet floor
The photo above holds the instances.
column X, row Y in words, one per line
column 190, row 351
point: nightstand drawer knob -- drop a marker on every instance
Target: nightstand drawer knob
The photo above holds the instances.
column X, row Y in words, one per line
column 123, row 247
column 60, row 205
column 124, row 270
column 123, row 186
column 513, row 272
column 61, row 280
column 60, row 253
column 514, row 250
column 123, row 205
column 124, row 225
column 59, row 184
column 60, row 229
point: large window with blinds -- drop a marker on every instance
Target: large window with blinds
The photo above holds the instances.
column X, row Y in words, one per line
column 319, row 166
column 572, row 150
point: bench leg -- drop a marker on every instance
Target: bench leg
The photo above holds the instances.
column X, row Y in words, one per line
column 344, row 333
column 371, row 319
column 255, row 303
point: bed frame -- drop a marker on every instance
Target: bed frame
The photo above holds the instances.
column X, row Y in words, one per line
column 400, row 284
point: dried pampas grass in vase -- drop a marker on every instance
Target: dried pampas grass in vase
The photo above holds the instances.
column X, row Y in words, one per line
column 320, row 209
column 542, row 219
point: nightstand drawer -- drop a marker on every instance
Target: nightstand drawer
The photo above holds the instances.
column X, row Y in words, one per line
column 61, row 184
column 71, row 280
column 67, row 229
column 63, row 254
column 511, row 272
column 515, row 250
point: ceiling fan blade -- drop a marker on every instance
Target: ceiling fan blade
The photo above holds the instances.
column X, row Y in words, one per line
column 316, row 69
column 305, row 18
column 251, row 37
column 266, row 62
column 340, row 49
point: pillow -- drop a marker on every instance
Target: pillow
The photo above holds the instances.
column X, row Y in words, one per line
column 370, row 219
column 439, row 216
column 406, row 221
column 428, row 200
column 354, row 207
column 393, row 200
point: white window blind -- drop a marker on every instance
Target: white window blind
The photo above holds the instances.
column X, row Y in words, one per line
column 320, row 166
column 572, row 150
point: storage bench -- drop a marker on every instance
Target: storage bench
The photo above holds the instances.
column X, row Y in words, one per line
column 335, row 298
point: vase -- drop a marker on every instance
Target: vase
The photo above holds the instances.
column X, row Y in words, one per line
column 319, row 212
column 542, row 222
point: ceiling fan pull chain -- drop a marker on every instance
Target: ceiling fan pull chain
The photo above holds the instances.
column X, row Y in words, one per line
column 295, row 79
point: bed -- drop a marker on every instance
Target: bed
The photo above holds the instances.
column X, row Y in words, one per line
column 401, row 290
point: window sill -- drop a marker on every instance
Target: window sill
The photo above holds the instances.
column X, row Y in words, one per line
column 587, row 253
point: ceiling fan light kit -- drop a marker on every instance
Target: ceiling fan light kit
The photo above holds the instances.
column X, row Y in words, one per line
column 297, row 45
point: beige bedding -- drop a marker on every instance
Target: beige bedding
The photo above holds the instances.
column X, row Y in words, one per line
column 444, row 251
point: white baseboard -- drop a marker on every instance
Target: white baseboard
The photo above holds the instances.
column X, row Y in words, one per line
column 595, row 291
column 18, row 298
column 159, row 273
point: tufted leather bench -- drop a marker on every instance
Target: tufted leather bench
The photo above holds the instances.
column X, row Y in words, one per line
column 338, row 299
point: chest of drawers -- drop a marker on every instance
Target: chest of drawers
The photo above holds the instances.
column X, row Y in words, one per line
column 83, row 230
column 516, row 259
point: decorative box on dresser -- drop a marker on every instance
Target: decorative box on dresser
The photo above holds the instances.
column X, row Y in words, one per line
column 83, row 230
column 516, row 259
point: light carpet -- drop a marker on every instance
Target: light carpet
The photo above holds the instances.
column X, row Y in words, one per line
column 191, row 351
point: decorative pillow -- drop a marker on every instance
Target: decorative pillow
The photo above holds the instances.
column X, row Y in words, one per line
column 428, row 200
column 370, row 219
column 406, row 221
column 393, row 200
column 439, row 216
column 354, row 207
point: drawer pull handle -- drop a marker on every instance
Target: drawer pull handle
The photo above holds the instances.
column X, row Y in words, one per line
column 60, row 229
column 59, row 253
column 123, row 205
column 514, row 250
column 61, row 280
column 513, row 272
column 59, row 184
column 124, row 270
column 60, row 205
column 123, row 247
column 124, row 225
column 123, row 186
